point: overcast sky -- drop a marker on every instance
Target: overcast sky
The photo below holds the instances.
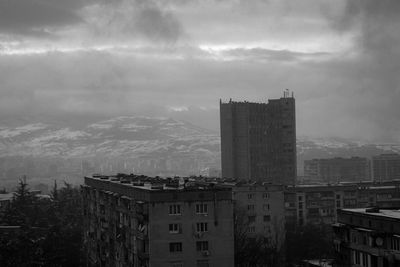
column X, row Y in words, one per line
column 341, row 58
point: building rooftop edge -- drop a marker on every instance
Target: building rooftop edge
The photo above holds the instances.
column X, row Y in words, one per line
column 388, row 213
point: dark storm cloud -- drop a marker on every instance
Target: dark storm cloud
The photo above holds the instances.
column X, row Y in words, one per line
column 379, row 38
column 378, row 45
column 118, row 18
column 36, row 17
column 156, row 24
column 134, row 20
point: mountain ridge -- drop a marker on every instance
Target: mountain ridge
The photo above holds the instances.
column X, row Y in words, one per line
column 155, row 142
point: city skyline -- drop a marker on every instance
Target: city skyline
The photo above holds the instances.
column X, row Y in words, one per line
column 177, row 58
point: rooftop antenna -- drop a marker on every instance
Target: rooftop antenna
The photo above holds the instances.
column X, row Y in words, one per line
column 286, row 93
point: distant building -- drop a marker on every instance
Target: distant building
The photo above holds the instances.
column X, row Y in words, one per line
column 258, row 140
column 5, row 200
column 264, row 210
column 157, row 223
column 317, row 204
column 335, row 170
column 367, row 237
column 386, row 167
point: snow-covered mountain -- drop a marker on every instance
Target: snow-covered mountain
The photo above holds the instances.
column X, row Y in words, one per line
column 120, row 136
column 145, row 144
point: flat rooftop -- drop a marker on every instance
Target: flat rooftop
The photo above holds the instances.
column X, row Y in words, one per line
column 148, row 183
column 372, row 185
column 388, row 213
column 157, row 189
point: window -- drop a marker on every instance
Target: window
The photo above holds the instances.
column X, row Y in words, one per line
column 265, row 195
column 201, row 208
column 364, row 259
column 266, row 207
column 267, row 218
column 175, row 209
column 202, row 263
column 395, row 244
column 175, row 228
column 250, row 207
column 356, row 257
column 354, row 238
column 250, row 196
column 300, row 213
column 364, row 239
column 202, row 245
column 252, row 229
column 251, row 219
column 202, row 227
column 175, row 247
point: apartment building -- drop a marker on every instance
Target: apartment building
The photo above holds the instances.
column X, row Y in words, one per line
column 160, row 223
column 367, row 237
column 258, row 140
column 262, row 206
column 333, row 170
column 319, row 203
column 386, row 167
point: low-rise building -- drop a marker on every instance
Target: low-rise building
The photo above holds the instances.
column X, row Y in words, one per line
column 334, row 170
column 367, row 237
column 319, row 203
column 159, row 223
column 386, row 167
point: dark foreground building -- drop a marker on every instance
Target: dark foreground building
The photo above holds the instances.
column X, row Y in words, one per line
column 367, row 237
column 131, row 223
column 258, row 140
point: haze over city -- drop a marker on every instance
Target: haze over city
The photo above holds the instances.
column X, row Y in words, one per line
column 82, row 58
column 229, row 133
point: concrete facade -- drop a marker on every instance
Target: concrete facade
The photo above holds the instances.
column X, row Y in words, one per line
column 263, row 206
column 367, row 237
column 333, row 170
column 386, row 167
column 319, row 203
column 134, row 224
column 258, row 140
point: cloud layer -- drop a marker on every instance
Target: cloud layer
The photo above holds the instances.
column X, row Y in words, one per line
column 180, row 57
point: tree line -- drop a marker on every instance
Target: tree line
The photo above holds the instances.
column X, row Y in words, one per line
column 37, row 231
